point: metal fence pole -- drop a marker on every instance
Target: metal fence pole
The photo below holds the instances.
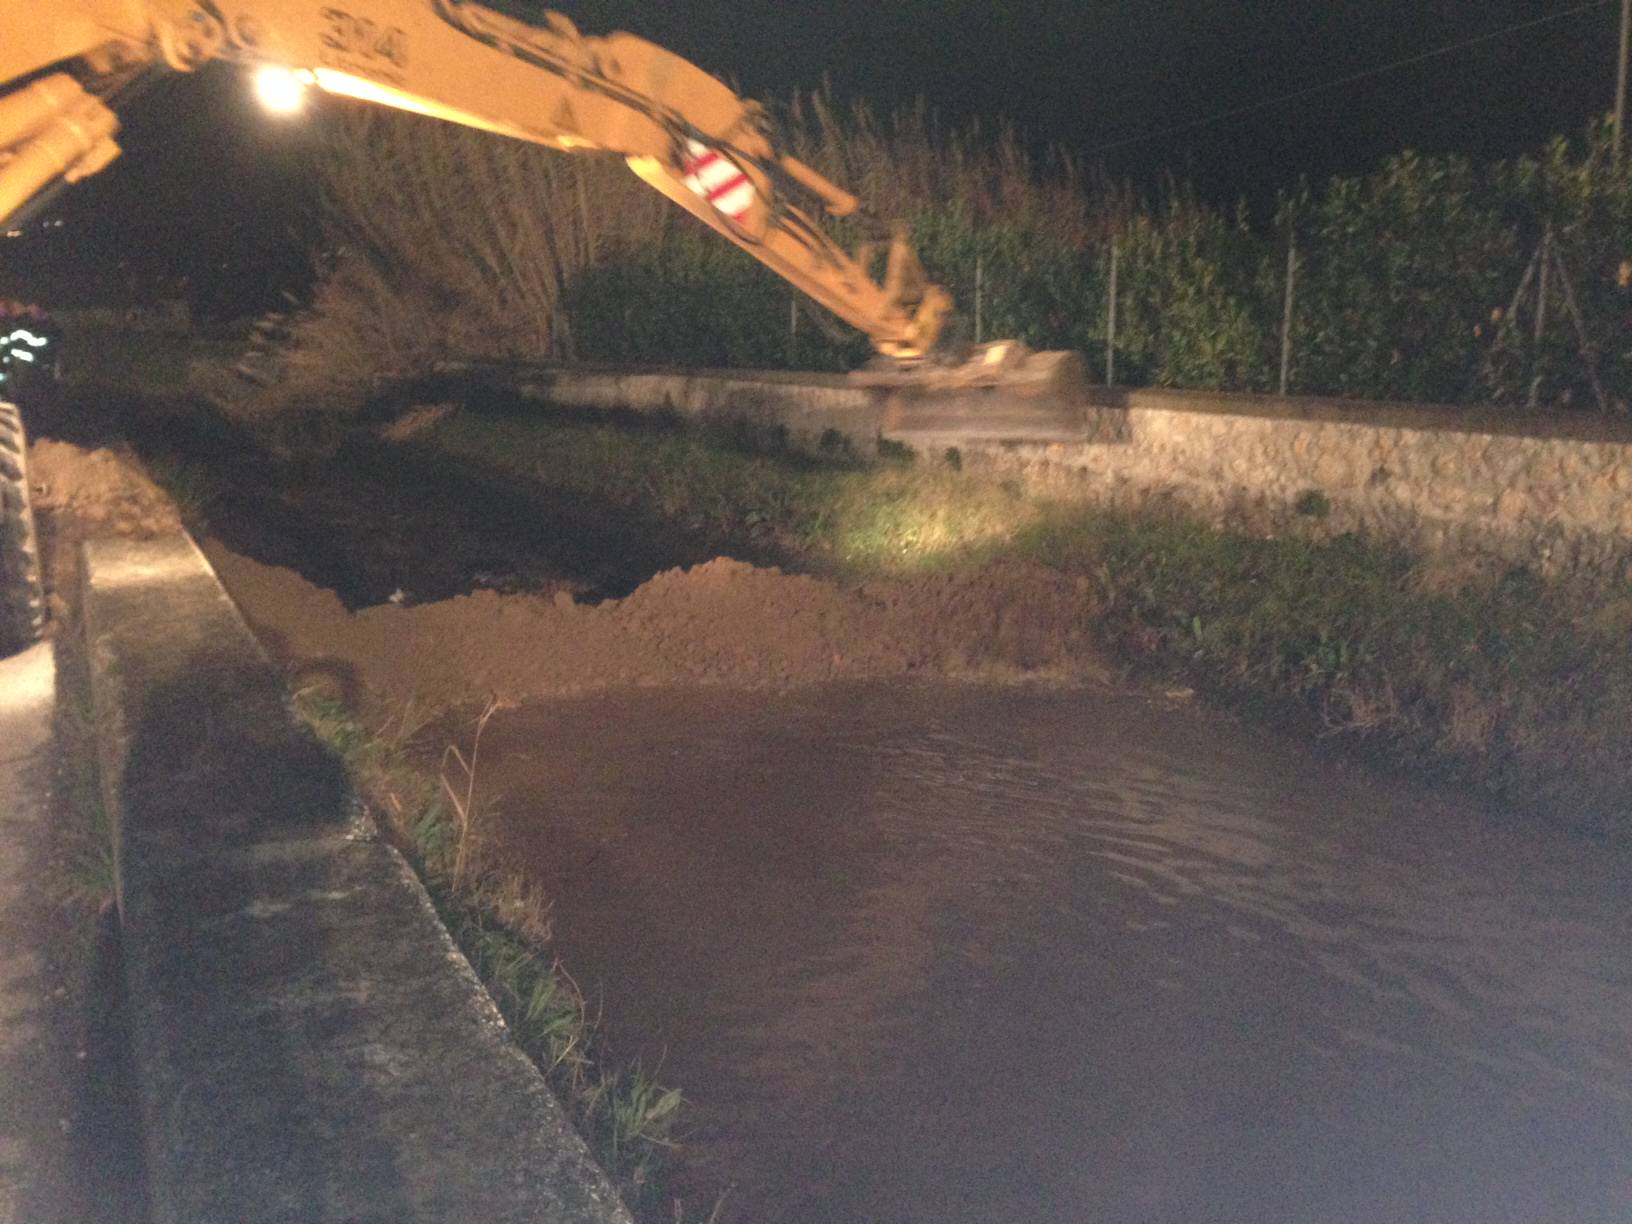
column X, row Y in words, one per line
column 1544, row 259
column 1286, row 312
column 980, row 267
column 1620, row 78
column 1110, row 327
column 1573, row 306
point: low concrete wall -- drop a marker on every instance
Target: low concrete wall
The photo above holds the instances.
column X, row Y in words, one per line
column 309, row 1043
column 1549, row 491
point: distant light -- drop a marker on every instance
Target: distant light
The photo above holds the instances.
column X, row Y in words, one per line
column 14, row 233
column 281, row 90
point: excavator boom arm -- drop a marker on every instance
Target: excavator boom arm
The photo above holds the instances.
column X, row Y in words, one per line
column 681, row 130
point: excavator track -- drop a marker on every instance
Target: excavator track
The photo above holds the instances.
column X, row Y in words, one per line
column 22, row 594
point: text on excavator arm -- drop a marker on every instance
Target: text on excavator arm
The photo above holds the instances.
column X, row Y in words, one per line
column 681, row 130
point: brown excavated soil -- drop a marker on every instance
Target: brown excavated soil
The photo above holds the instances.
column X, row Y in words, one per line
column 101, row 491
column 722, row 623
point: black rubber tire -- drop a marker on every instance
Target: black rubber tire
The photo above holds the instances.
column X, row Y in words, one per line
column 22, row 595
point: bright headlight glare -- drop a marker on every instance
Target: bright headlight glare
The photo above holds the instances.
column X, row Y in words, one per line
column 281, row 90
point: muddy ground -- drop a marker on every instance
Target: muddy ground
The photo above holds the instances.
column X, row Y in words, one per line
column 724, row 622
column 397, row 573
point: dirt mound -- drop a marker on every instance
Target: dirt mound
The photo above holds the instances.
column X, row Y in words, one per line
column 101, row 491
column 724, row 623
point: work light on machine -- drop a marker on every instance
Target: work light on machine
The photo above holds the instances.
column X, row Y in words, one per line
column 282, row 90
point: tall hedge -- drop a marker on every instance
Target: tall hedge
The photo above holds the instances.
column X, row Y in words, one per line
column 1406, row 278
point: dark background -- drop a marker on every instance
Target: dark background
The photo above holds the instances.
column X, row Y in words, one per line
column 211, row 199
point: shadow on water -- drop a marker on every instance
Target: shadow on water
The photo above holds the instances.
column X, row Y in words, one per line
column 960, row 954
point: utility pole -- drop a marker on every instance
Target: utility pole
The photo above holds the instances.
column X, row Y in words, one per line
column 1620, row 76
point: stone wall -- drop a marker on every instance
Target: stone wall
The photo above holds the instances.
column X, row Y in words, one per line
column 1551, row 491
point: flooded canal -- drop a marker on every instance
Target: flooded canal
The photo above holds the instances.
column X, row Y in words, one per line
column 956, row 953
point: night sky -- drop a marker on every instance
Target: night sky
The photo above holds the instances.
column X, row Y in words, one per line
column 1087, row 73
column 209, row 187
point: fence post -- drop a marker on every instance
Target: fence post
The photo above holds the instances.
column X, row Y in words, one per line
column 1286, row 312
column 1584, row 345
column 793, row 331
column 980, row 262
column 1544, row 258
column 1110, row 326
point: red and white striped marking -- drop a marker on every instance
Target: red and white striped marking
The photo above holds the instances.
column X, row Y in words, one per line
column 718, row 180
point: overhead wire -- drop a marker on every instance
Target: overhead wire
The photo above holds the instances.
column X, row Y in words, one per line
column 1349, row 79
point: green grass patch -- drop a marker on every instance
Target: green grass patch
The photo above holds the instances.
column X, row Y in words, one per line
column 1498, row 679
column 824, row 511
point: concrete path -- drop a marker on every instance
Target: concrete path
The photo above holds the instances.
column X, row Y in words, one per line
column 309, row 1044
column 37, row 1089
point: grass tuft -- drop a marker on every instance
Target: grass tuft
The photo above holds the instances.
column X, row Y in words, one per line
column 502, row 925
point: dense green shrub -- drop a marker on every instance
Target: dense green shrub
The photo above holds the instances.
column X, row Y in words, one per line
column 1400, row 272
column 1406, row 284
column 1191, row 309
column 1407, row 278
column 687, row 299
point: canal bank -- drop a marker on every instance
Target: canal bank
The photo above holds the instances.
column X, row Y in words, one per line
column 296, row 1035
column 1468, row 667
column 308, row 1042
column 1192, row 970
column 1176, row 562
column 1549, row 491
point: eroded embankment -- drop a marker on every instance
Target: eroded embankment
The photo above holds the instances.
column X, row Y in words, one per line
column 1482, row 674
column 723, row 623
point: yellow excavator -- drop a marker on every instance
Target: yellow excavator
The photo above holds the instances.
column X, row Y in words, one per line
column 65, row 64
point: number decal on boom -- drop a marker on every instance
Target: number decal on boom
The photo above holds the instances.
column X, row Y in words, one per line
column 349, row 35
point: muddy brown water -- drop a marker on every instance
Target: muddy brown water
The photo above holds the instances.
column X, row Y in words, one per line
column 938, row 953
